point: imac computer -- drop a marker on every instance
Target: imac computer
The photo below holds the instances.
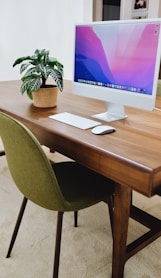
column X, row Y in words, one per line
column 118, row 62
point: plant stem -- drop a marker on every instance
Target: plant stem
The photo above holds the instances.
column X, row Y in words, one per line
column 43, row 81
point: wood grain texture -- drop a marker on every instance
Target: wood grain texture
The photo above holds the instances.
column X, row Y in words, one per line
column 130, row 156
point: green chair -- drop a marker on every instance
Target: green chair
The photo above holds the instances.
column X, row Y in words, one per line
column 64, row 186
column 159, row 88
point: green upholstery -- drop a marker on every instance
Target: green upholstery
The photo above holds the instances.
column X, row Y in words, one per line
column 159, row 88
column 65, row 186
column 71, row 187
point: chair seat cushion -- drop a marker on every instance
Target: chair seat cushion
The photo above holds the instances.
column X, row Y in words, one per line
column 80, row 184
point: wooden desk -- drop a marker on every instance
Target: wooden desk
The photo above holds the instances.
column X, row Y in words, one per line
column 131, row 156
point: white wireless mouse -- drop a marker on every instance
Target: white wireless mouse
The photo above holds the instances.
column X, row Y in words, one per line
column 102, row 129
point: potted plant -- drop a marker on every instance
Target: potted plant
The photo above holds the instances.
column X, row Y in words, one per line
column 36, row 70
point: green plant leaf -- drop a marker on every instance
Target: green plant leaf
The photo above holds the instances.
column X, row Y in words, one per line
column 57, row 77
column 37, row 68
column 35, row 84
column 30, row 84
column 29, row 95
column 24, row 67
column 20, row 60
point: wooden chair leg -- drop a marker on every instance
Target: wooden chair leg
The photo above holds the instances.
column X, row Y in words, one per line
column 17, row 226
column 110, row 202
column 75, row 218
column 2, row 153
column 58, row 244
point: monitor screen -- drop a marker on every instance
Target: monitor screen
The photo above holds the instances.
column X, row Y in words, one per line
column 118, row 62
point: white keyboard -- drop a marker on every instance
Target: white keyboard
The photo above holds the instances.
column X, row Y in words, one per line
column 74, row 120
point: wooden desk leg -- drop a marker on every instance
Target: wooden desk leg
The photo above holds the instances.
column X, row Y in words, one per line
column 122, row 204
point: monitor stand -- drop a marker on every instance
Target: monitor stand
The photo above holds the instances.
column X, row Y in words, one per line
column 114, row 112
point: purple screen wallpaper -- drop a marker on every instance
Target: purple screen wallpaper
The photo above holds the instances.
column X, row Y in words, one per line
column 120, row 56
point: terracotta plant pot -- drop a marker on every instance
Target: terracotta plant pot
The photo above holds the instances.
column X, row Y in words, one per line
column 45, row 97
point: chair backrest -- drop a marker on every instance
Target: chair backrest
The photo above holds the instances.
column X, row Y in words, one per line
column 29, row 166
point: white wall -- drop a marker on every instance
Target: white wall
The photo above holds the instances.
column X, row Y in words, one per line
column 31, row 24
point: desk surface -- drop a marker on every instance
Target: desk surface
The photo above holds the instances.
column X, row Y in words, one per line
column 130, row 156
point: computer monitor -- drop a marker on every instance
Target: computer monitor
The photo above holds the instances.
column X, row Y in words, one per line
column 118, row 62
